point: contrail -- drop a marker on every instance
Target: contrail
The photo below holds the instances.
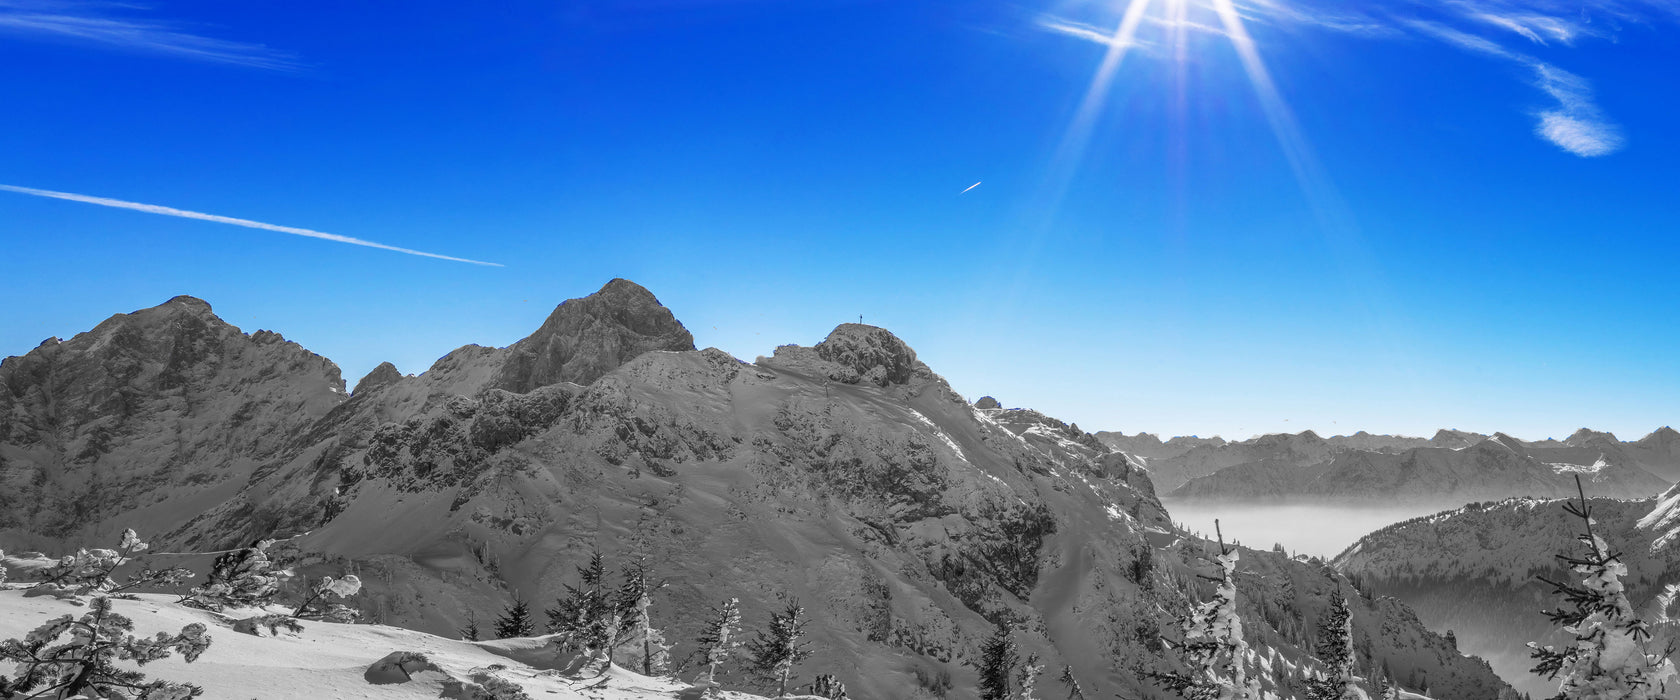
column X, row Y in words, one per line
column 970, row 187
column 168, row 211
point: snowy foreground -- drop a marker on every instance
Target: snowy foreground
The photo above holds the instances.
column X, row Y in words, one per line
column 330, row 660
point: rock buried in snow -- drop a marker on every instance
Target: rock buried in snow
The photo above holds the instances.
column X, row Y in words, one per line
column 399, row 667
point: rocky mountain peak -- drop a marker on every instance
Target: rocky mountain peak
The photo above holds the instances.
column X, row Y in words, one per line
column 589, row 337
column 987, row 402
column 1587, row 437
column 877, row 355
column 385, row 373
column 184, row 302
column 1661, row 436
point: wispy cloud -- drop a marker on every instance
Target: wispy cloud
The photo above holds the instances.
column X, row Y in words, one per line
column 99, row 23
column 1088, row 32
column 1575, row 124
column 247, row 223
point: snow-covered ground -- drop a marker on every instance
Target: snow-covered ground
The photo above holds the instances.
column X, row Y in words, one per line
column 330, row 660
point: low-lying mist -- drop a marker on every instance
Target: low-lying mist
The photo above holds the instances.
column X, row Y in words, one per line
column 1313, row 529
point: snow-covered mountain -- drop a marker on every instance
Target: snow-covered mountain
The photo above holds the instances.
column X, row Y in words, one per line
column 846, row 474
column 1474, row 569
column 1451, row 468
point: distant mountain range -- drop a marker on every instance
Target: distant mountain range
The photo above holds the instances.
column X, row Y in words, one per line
column 846, row 474
column 1451, row 468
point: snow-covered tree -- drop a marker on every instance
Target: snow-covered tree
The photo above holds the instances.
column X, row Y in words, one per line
column 1335, row 650
column 515, row 621
column 89, row 570
column 996, row 667
column 83, row 664
column 1607, row 658
column 718, row 640
column 1213, row 649
column 646, row 642
column 826, row 685
column 318, row 605
column 1075, row 692
column 587, row 620
column 776, row 650
column 1031, row 669
column 242, row 578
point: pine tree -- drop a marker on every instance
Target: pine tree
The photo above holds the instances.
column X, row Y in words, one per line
column 776, row 650
column 997, row 664
column 587, row 620
column 1608, row 657
column 470, row 632
column 1335, row 649
column 635, row 597
column 718, row 640
column 1028, row 678
column 1213, row 648
column 1074, row 691
column 515, row 621
column 84, row 663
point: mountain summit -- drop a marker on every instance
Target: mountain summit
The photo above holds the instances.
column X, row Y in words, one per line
column 588, row 337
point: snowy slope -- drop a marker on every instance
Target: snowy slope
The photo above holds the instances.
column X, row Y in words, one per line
column 339, row 661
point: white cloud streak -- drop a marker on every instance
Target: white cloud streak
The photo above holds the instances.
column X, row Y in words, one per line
column 247, row 223
column 88, row 22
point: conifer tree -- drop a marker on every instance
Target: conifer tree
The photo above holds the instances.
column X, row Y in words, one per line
column 70, row 657
column 470, row 632
column 997, row 664
column 1335, row 649
column 1074, row 691
column 1028, row 678
column 776, row 650
column 1607, row 655
column 1213, row 648
column 635, row 597
column 587, row 620
column 718, row 640
column 515, row 621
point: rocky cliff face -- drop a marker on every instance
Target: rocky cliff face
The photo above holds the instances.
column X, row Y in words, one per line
column 150, row 414
column 847, row 475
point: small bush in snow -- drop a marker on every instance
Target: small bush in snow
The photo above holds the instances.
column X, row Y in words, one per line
column 318, row 605
column 515, row 621
column 76, row 657
column 89, row 570
column 485, row 686
column 241, row 578
column 273, row 623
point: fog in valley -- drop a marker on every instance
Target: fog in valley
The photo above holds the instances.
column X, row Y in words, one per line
column 1311, row 529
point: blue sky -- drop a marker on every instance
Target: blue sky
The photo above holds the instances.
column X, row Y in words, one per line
column 1268, row 215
